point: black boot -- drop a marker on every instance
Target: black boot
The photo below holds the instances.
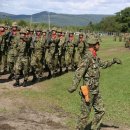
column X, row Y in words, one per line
column 34, row 78
column 25, row 83
column 60, row 70
column 11, row 76
column 16, row 84
column 66, row 70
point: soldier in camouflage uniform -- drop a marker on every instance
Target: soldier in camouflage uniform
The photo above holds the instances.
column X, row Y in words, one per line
column 70, row 51
column 22, row 62
column 88, row 69
column 44, row 37
column 120, row 37
column 37, row 54
column 62, row 42
column 52, row 53
column 3, row 49
column 81, row 45
column 13, row 38
column 114, row 37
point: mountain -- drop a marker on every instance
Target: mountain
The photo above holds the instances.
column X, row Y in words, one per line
column 59, row 19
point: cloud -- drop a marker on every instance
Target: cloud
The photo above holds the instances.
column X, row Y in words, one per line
column 63, row 6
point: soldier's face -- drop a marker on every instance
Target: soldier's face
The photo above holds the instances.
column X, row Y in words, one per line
column 97, row 46
column 1, row 29
column 22, row 35
column 14, row 28
column 44, row 34
column 38, row 33
column 53, row 32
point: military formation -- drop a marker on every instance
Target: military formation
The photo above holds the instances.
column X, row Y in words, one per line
column 26, row 51
column 122, row 38
column 35, row 51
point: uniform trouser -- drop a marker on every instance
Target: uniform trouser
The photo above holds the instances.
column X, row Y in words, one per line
column 52, row 62
column 3, row 64
column 11, row 63
column 97, row 104
column 62, row 60
column 69, row 60
column 36, row 64
column 77, row 58
column 22, row 64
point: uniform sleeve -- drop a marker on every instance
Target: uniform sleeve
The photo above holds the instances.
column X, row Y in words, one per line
column 105, row 64
column 80, row 72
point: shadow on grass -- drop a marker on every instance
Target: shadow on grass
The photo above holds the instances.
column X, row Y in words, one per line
column 5, row 80
column 88, row 127
column 109, row 126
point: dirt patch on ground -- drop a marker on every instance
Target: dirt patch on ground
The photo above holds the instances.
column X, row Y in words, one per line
column 31, row 120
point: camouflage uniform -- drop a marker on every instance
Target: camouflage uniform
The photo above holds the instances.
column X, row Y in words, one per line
column 70, row 51
column 88, row 69
column 114, row 37
column 62, row 49
column 52, row 52
column 13, row 39
column 120, row 37
column 36, row 60
column 81, row 44
column 22, row 62
column 3, row 49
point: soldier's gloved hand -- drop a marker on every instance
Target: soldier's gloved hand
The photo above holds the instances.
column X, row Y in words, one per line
column 117, row 61
column 71, row 89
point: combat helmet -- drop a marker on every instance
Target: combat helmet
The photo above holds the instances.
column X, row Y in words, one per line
column 2, row 25
column 59, row 30
column 38, row 29
column 14, row 24
column 54, row 29
column 92, row 41
column 23, row 30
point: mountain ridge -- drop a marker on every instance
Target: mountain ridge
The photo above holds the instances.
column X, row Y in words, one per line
column 58, row 18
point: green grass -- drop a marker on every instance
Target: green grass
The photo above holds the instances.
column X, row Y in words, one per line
column 114, row 87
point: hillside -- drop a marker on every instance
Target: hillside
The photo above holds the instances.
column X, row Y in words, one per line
column 59, row 19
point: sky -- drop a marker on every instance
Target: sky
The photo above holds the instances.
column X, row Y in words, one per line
column 63, row 6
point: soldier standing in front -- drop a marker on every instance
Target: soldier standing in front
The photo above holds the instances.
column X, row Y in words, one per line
column 88, row 69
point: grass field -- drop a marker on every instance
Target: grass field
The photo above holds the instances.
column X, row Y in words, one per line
column 51, row 95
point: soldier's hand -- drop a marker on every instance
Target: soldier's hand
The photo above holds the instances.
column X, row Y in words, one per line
column 71, row 89
column 117, row 61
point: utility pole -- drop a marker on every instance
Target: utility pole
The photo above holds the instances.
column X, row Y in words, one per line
column 49, row 22
column 30, row 21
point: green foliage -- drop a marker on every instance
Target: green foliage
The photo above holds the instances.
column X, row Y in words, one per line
column 118, row 23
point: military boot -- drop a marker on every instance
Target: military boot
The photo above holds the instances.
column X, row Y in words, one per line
column 60, row 70
column 24, row 83
column 66, row 70
column 16, row 84
column 34, row 78
column 49, row 74
column 11, row 76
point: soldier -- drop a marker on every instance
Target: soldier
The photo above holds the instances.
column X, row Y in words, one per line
column 70, row 51
column 120, row 37
column 44, row 37
column 81, row 44
column 22, row 62
column 12, row 39
column 88, row 69
column 114, row 37
column 52, row 53
column 62, row 42
column 36, row 60
column 3, row 49
column 127, row 42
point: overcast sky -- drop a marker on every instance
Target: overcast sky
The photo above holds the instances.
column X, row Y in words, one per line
column 63, row 6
